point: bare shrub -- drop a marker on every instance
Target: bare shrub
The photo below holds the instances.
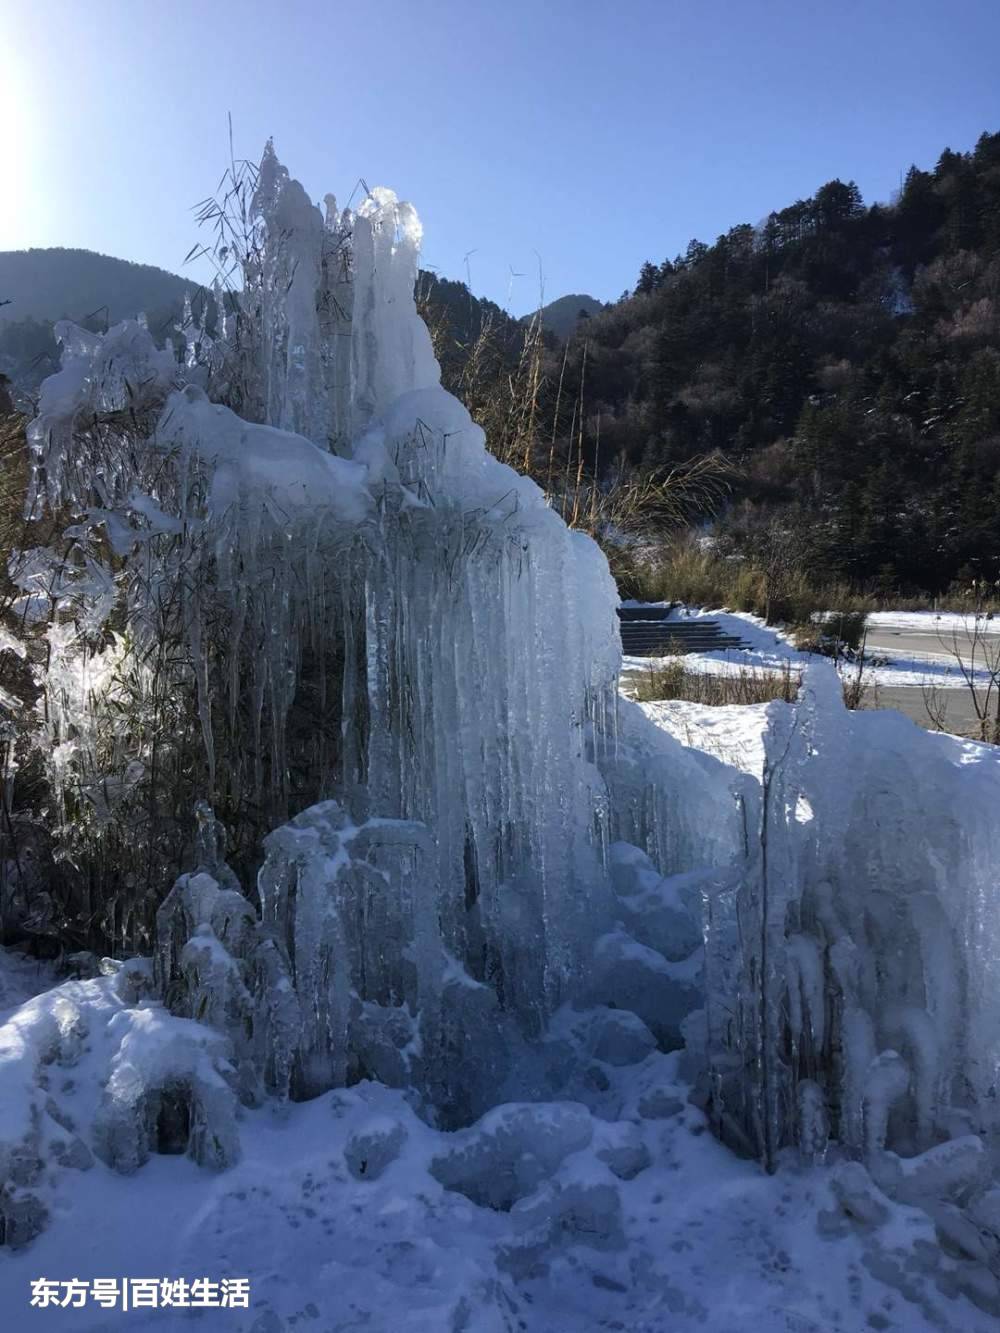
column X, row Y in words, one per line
column 976, row 652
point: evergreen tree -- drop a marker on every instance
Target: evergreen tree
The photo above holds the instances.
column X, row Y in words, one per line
column 648, row 279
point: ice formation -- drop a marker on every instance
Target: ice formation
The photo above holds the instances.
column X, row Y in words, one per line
column 851, row 972
column 341, row 608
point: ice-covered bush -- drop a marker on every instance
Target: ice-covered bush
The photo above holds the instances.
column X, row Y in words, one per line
column 321, row 595
column 347, row 974
column 851, row 977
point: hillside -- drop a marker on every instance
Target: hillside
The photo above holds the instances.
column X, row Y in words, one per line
column 60, row 283
column 38, row 287
column 846, row 358
column 562, row 317
column 457, row 319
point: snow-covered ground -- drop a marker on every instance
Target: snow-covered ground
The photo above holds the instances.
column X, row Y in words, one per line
column 734, row 733
column 906, row 649
column 624, row 1213
column 932, row 622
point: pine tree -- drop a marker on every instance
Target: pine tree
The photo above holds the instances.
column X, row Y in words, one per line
column 648, row 276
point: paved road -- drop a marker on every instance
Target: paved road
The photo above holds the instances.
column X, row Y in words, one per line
column 958, row 715
column 936, row 648
column 933, row 645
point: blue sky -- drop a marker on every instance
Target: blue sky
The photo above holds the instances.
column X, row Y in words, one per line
column 583, row 137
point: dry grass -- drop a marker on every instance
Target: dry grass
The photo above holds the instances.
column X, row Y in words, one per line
column 837, row 634
column 861, row 690
column 698, row 576
column 13, row 479
column 961, row 597
column 670, row 679
column 533, row 425
column 631, row 504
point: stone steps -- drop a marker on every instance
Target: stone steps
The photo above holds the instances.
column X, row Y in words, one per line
column 651, row 631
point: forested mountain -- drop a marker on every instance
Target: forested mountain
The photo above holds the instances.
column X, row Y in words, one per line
column 457, row 320
column 38, row 287
column 60, row 283
column 846, row 358
column 563, row 317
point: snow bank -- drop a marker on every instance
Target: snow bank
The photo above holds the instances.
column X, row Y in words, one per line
column 943, row 623
column 769, row 648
